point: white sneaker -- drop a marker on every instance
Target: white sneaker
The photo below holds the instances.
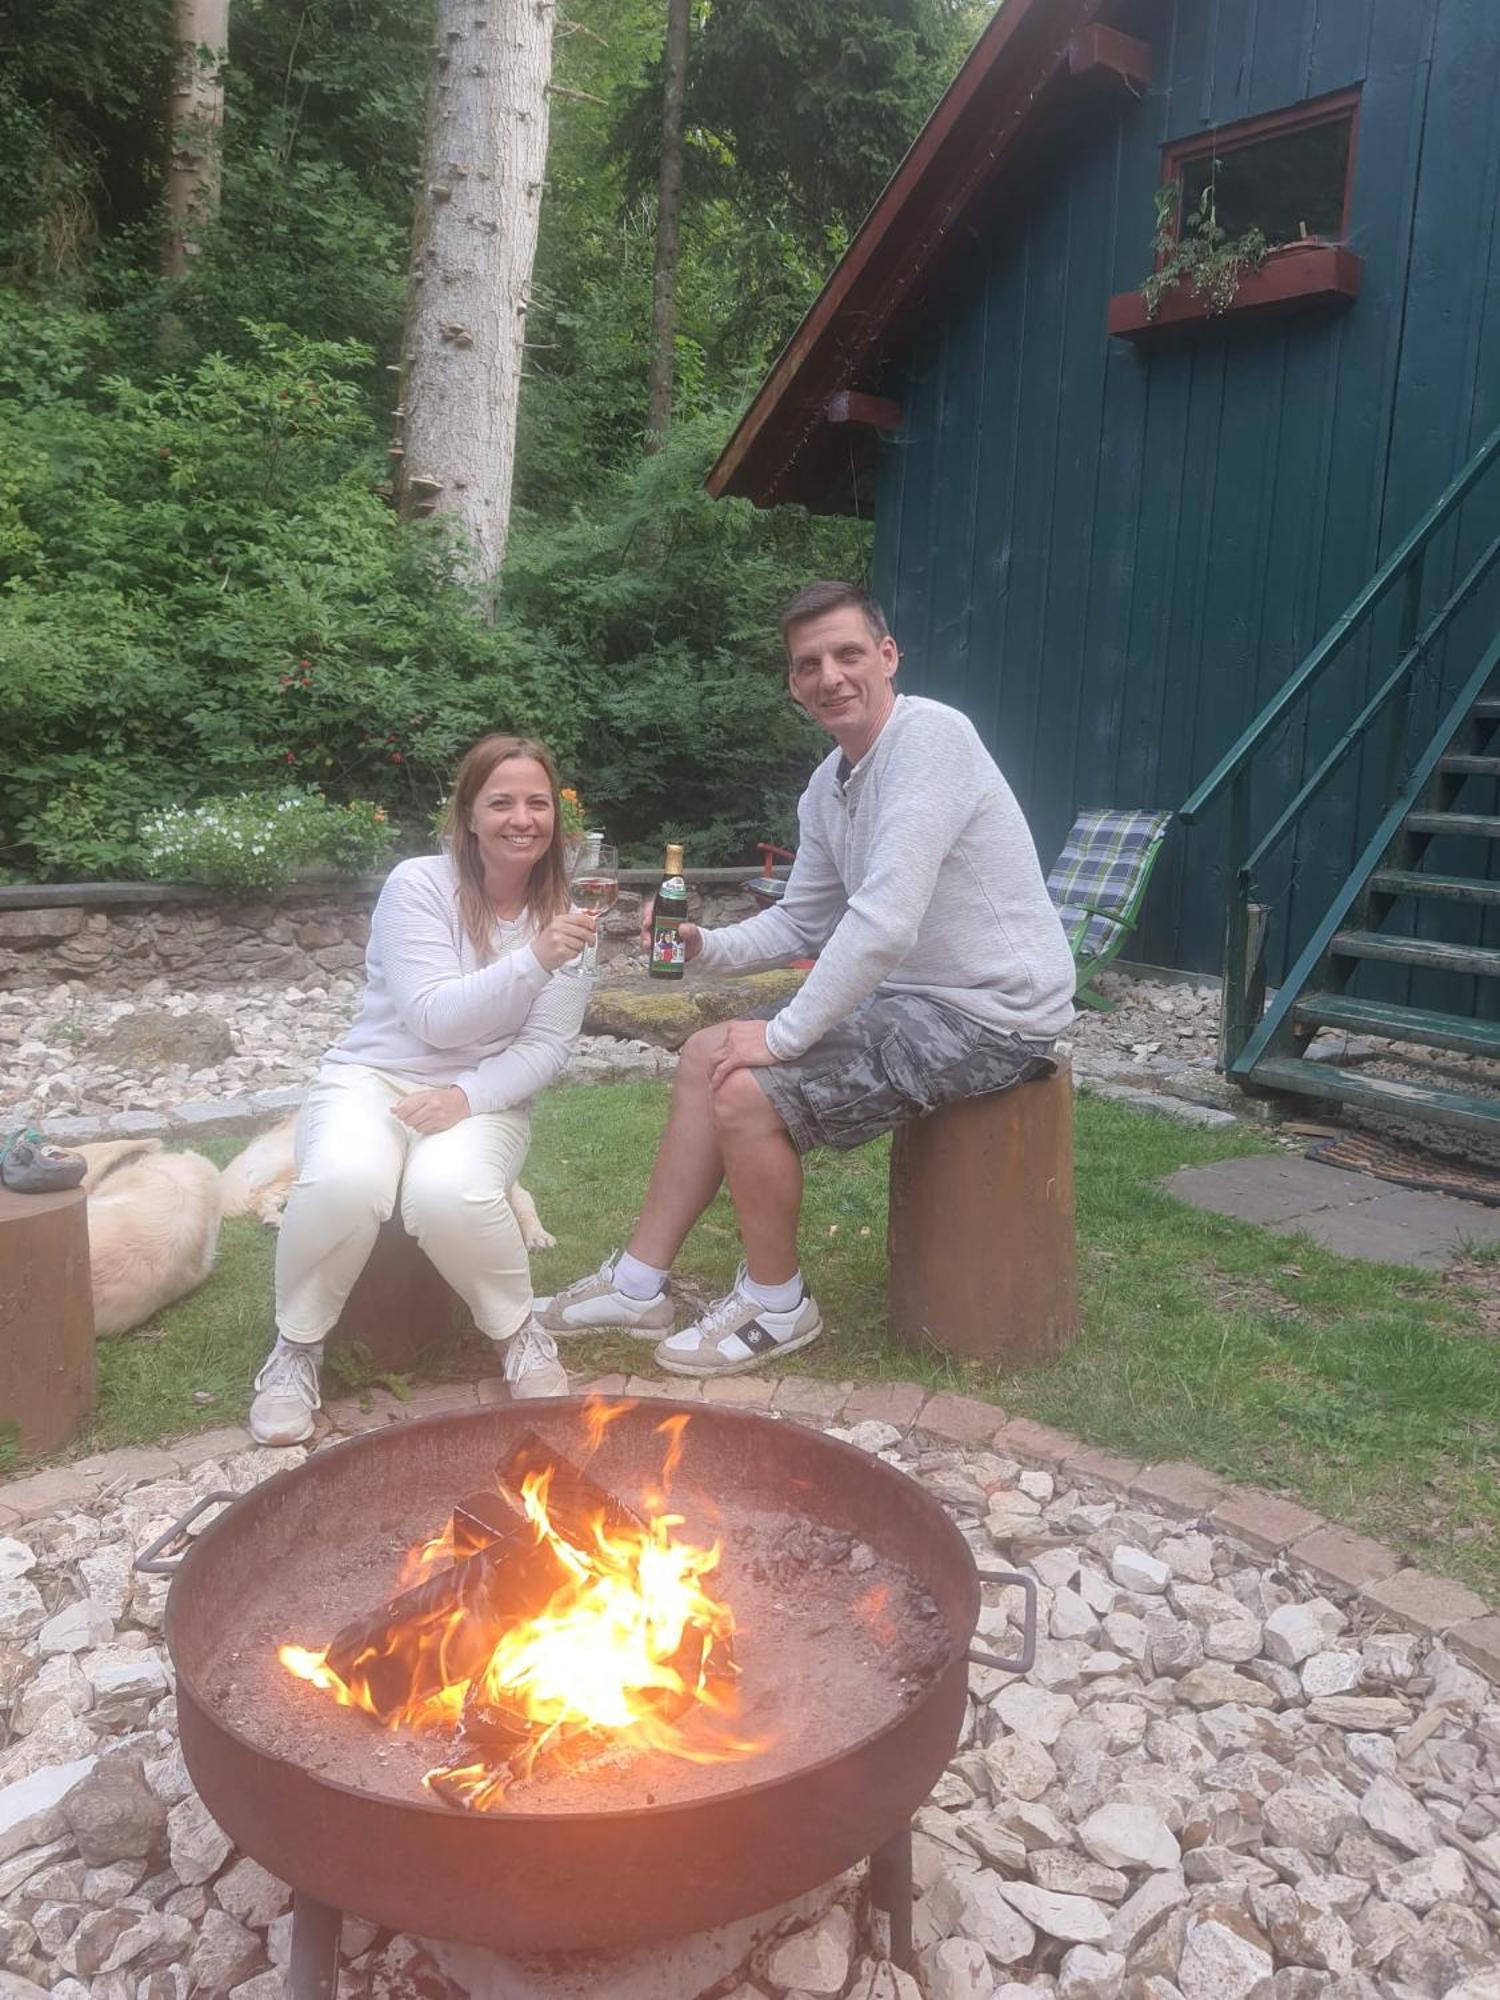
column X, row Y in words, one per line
column 531, row 1367
column 736, row 1335
column 286, row 1393
column 589, row 1304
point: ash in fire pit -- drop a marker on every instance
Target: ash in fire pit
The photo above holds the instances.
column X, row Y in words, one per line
column 617, row 1647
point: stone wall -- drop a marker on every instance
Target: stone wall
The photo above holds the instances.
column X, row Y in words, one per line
column 123, row 935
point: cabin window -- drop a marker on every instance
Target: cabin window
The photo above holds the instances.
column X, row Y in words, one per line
column 1288, row 175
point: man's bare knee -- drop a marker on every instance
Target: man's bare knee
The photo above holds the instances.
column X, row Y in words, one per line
column 696, row 1055
column 741, row 1106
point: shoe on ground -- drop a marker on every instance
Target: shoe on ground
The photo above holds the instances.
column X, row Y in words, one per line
column 29, row 1166
column 736, row 1334
column 530, row 1365
column 286, row 1393
column 592, row 1304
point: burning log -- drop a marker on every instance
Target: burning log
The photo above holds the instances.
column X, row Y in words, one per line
column 576, row 1504
column 441, row 1633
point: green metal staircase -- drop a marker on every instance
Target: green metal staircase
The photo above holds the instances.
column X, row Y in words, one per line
column 1431, row 792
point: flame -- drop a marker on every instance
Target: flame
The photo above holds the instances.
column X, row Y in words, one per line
column 632, row 1650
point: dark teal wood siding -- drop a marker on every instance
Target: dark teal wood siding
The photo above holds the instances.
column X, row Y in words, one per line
column 1111, row 557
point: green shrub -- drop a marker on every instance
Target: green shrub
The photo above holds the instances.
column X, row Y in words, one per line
column 260, row 841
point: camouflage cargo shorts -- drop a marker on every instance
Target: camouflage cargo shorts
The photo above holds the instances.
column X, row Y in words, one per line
column 898, row 1056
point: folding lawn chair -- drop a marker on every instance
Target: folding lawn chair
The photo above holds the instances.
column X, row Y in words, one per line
column 1098, row 883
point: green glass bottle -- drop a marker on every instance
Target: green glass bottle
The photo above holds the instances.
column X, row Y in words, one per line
column 668, row 914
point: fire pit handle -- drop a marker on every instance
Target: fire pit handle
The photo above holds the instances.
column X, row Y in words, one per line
column 153, row 1561
column 1026, row 1658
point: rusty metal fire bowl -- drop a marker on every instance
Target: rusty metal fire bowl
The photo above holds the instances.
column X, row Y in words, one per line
column 528, row 1880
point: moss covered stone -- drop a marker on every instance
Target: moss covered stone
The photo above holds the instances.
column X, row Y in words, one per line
column 665, row 1014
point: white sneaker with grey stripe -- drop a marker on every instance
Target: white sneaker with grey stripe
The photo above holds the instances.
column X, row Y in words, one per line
column 737, row 1334
column 591, row 1304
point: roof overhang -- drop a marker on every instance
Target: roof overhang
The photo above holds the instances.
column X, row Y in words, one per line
column 810, row 435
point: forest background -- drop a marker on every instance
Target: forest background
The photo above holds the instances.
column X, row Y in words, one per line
column 204, row 588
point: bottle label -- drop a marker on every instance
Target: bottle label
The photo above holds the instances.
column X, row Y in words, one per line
column 667, row 946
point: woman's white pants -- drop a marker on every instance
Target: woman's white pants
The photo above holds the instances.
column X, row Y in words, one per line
column 354, row 1160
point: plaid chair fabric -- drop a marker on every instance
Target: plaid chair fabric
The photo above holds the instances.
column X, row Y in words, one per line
column 1099, row 879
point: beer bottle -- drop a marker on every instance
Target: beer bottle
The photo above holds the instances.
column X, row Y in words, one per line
column 668, row 914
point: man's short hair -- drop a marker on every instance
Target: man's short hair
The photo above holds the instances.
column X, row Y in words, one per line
column 816, row 599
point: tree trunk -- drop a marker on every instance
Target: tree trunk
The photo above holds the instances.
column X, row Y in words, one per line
column 473, row 245
column 195, row 119
column 668, row 230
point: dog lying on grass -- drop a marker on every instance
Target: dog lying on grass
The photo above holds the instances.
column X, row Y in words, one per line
column 258, row 1181
column 153, row 1228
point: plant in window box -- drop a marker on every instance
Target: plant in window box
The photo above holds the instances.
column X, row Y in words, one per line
column 1201, row 254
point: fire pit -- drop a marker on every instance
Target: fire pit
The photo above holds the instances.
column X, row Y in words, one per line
column 854, row 1599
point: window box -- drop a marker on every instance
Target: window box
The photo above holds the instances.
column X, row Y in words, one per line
column 1299, row 278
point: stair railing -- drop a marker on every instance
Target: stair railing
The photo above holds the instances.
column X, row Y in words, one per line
column 1244, row 1019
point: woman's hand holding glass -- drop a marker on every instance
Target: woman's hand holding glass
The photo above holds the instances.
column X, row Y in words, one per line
column 564, row 938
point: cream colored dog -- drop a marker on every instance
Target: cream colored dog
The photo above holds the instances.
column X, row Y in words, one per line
column 258, row 1181
column 153, row 1228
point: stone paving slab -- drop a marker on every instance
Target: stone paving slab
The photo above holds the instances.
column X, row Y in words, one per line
column 1353, row 1215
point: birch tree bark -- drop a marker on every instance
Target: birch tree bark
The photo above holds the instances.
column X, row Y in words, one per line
column 195, row 120
column 668, row 230
column 473, row 245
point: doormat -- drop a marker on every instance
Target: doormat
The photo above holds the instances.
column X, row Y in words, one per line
column 1407, row 1166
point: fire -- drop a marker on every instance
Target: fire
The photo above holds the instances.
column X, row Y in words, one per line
column 630, row 1649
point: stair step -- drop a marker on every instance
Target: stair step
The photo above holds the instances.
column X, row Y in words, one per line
column 1474, row 767
column 1400, row 1024
column 1378, row 1093
column 1487, row 707
column 1413, row 882
column 1485, row 825
column 1418, row 951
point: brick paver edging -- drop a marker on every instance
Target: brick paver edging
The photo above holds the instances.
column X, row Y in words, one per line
column 1268, row 1524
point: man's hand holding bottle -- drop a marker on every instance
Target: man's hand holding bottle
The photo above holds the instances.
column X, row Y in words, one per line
column 691, row 935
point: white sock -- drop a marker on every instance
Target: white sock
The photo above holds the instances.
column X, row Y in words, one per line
column 775, row 1298
column 635, row 1279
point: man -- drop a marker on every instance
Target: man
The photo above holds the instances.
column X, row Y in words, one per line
column 943, row 973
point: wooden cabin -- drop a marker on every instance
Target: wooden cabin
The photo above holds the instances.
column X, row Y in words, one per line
column 1116, row 528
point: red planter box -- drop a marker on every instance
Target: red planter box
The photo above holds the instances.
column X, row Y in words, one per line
column 1303, row 277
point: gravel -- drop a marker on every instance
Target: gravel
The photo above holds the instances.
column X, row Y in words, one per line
column 1107, row 1827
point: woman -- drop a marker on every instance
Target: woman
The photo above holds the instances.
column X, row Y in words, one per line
column 472, row 1001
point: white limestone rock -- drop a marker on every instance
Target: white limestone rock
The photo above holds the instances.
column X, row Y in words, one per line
column 23, row 1610
column 815, row 1961
column 17, row 1558
column 1074, row 1919
column 955, row 1969
column 1088, row 1974
column 1130, row 1836
column 31, row 1810
column 977, row 1906
column 1136, row 1570
column 1294, row 1632
column 1224, row 1957
column 1070, row 1874
column 198, row 1845
column 1033, row 1713
column 1312, row 1821
column 1336, row 1671
column 1141, row 1913
column 1439, row 1877
column 77, row 1628
column 1390, row 1811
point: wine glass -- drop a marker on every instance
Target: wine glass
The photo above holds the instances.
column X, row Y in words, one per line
column 596, row 884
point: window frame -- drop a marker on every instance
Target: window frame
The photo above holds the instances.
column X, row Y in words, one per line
column 1332, row 108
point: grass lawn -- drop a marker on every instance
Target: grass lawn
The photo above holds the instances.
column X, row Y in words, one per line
column 1367, row 1390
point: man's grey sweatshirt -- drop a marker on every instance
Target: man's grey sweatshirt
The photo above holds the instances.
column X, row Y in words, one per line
column 917, row 874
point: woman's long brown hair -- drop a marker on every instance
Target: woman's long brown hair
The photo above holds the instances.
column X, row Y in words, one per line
column 547, row 886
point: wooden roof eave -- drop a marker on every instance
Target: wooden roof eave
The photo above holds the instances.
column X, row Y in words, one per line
column 975, row 126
